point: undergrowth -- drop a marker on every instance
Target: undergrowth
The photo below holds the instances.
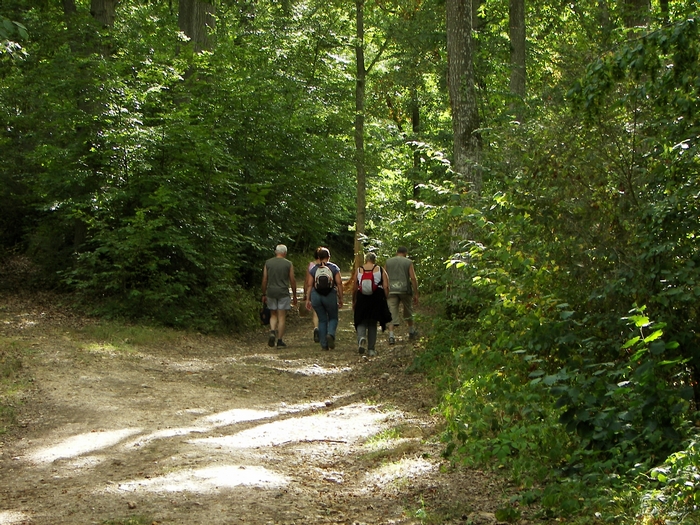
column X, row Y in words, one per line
column 574, row 453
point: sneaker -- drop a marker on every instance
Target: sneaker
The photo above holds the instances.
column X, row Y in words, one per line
column 281, row 343
column 317, row 336
column 372, row 352
column 391, row 339
column 271, row 339
column 412, row 335
column 362, row 346
column 331, row 341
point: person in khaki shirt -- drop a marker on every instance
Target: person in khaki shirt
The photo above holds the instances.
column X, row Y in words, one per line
column 278, row 276
column 403, row 290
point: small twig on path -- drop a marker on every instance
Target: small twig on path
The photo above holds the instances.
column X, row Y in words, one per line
column 309, row 441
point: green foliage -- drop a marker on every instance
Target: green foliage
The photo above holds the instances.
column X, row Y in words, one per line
column 9, row 30
column 675, row 496
column 585, row 212
column 166, row 176
column 629, row 412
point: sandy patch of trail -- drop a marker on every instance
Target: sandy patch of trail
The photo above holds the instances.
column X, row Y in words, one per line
column 214, row 430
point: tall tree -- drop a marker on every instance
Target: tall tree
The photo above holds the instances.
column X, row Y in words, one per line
column 518, row 71
column 361, row 72
column 104, row 11
column 635, row 12
column 460, row 79
column 195, row 18
column 360, row 79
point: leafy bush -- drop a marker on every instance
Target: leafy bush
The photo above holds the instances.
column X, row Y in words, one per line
column 675, row 493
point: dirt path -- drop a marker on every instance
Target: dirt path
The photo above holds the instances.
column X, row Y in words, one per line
column 210, row 430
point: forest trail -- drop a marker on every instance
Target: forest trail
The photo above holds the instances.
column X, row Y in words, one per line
column 224, row 430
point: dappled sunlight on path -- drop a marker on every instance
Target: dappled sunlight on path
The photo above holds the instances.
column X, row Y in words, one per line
column 219, row 431
column 79, row 445
column 208, row 479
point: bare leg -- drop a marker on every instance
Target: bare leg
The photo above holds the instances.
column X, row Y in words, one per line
column 281, row 323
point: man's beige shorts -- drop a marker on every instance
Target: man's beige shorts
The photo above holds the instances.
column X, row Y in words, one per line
column 394, row 301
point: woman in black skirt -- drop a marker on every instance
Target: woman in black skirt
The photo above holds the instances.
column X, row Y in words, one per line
column 369, row 302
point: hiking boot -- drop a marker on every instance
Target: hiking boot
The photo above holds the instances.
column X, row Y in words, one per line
column 392, row 340
column 271, row 339
column 362, row 346
column 412, row 336
column 331, row 341
column 317, row 336
column 281, row 343
column 372, row 352
column 324, row 348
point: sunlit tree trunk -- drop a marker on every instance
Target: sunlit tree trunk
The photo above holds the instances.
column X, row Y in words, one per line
column 518, row 71
column 415, row 125
column 195, row 19
column 460, row 79
column 465, row 122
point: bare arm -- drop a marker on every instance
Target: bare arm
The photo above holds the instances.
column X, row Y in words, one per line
column 264, row 283
column 308, row 283
column 339, row 287
column 385, row 282
column 414, row 282
column 354, row 293
column 293, row 283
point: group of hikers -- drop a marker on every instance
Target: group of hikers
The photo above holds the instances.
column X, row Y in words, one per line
column 378, row 293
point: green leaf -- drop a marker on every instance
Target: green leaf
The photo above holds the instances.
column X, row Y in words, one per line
column 654, row 336
column 631, row 342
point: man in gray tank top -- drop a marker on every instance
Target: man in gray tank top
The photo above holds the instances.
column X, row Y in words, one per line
column 403, row 290
column 278, row 277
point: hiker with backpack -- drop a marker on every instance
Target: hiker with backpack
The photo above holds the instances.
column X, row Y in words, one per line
column 314, row 316
column 369, row 302
column 324, row 292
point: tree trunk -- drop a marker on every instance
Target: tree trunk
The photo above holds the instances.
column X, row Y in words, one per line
column 465, row 122
column 415, row 123
column 460, row 80
column 104, row 11
column 69, row 8
column 195, row 18
column 604, row 21
column 635, row 12
column 361, row 75
column 518, row 71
